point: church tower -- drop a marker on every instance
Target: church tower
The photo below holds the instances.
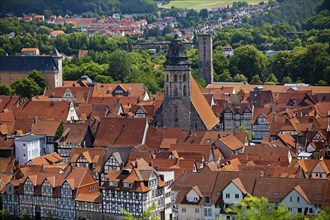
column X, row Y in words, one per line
column 184, row 104
column 205, row 57
column 177, row 86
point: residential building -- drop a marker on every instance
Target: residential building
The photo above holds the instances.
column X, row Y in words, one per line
column 30, row 52
column 230, row 145
column 135, row 188
column 42, row 192
column 261, row 121
column 48, row 128
column 29, row 146
column 121, row 132
column 236, row 115
column 19, row 67
column 75, row 135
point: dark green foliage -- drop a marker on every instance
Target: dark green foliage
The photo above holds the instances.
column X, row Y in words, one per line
column 59, row 131
column 5, row 89
column 288, row 11
column 26, row 88
column 249, row 61
column 40, row 79
column 70, row 7
column 258, row 208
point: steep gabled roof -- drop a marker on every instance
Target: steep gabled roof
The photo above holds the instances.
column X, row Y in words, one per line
column 202, row 107
column 239, row 184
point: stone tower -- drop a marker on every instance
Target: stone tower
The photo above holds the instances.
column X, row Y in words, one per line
column 205, row 57
column 58, row 59
column 177, row 87
column 184, row 104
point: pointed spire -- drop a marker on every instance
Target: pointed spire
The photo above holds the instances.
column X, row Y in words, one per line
column 55, row 53
column 176, row 53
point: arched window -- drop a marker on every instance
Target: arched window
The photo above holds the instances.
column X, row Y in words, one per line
column 175, row 91
column 166, row 77
column 184, row 90
column 167, row 91
column 184, row 77
column 175, row 78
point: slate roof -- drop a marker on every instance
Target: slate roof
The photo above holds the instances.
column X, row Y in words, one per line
column 27, row 64
column 29, row 137
column 176, row 54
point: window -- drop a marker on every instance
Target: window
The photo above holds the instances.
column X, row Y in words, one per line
column 236, row 196
column 196, row 210
column 298, row 199
column 184, row 77
column 300, row 210
column 290, row 198
column 175, row 78
column 227, row 195
column 183, row 209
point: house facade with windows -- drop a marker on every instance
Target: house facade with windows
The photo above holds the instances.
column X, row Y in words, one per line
column 75, row 135
column 135, row 188
column 29, row 146
column 235, row 116
column 261, row 121
column 42, row 192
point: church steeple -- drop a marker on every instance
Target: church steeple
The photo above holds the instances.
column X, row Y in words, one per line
column 176, row 56
column 177, row 71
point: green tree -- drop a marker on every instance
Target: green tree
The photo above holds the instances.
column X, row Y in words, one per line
column 249, row 61
column 24, row 215
column 249, row 133
column 256, row 79
column 224, row 77
column 240, row 78
column 287, row 79
column 39, row 78
column 5, row 89
column 121, row 66
column 220, row 62
column 272, row 78
column 26, row 88
column 146, row 215
column 253, row 208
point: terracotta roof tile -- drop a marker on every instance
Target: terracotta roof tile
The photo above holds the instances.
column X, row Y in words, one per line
column 120, row 132
column 203, row 109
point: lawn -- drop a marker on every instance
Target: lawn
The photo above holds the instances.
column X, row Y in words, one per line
column 200, row 4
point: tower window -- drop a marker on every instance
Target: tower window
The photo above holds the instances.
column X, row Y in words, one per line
column 175, row 78
column 184, row 78
column 166, row 78
column 175, row 91
column 184, row 90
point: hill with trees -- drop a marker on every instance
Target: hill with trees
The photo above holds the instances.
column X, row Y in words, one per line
column 71, row 7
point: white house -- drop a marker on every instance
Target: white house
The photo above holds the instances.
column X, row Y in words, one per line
column 29, row 146
column 297, row 202
column 168, row 177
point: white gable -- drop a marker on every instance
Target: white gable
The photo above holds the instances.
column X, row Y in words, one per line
column 192, row 196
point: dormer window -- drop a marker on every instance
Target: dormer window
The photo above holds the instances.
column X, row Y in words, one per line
column 113, row 184
column 128, row 185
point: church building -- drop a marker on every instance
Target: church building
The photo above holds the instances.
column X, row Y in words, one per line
column 184, row 104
